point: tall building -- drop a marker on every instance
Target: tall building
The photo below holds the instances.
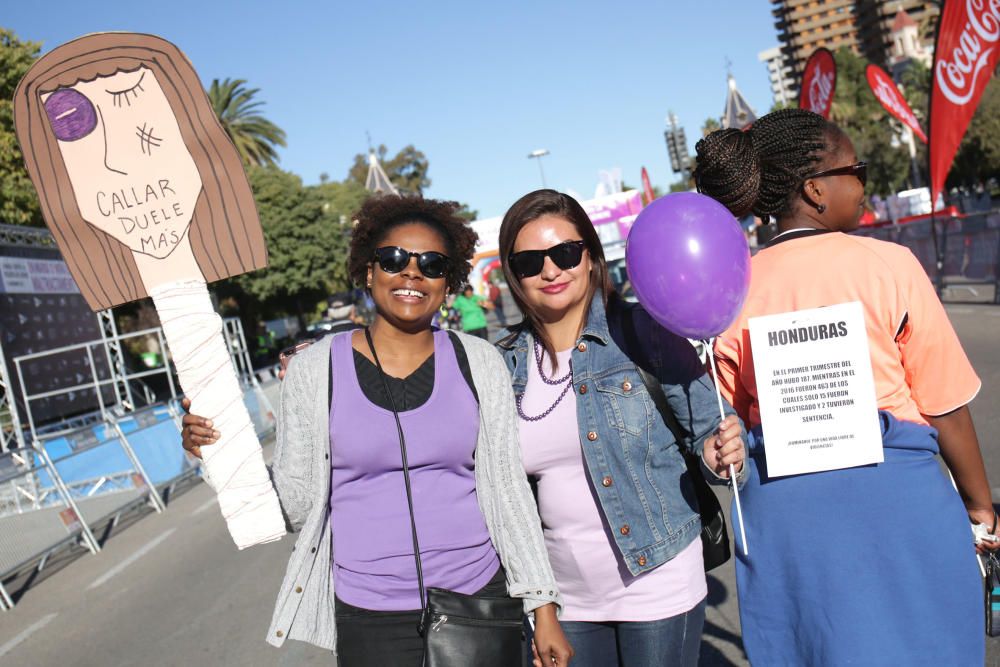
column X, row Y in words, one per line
column 878, row 20
column 805, row 25
column 865, row 26
column 784, row 86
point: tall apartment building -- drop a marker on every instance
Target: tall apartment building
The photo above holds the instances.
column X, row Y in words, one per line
column 784, row 85
column 861, row 25
column 875, row 19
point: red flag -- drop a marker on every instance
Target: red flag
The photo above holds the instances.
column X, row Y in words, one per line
column 819, row 80
column 647, row 188
column 893, row 101
column 965, row 56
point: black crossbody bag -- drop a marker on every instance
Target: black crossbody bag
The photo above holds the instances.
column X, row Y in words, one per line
column 714, row 534
column 459, row 629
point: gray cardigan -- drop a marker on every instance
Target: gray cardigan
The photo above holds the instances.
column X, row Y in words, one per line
column 301, row 474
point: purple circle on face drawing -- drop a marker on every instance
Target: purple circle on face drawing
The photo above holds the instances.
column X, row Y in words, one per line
column 71, row 114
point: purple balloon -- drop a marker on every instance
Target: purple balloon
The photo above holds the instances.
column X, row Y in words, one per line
column 689, row 264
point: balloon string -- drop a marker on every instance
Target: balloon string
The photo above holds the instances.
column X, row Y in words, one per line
column 710, row 343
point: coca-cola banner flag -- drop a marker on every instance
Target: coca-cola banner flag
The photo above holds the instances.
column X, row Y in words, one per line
column 819, row 80
column 647, row 187
column 893, row 101
column 965, row 56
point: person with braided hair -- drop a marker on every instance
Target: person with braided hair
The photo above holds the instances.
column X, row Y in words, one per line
column 869, row 565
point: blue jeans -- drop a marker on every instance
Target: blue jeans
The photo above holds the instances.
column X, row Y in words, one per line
column 668, row 641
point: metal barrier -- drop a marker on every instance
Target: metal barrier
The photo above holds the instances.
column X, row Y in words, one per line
column 38, row 516
column 100, row 470
column 966, row 255
column 60, row 482
column 74, row 482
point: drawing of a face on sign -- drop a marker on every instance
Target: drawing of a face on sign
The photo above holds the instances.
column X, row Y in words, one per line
column 138, row 182
column 132, row 175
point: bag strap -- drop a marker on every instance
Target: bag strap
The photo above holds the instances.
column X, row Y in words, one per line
column 460, row 354
column 406, row 470
column 652, row 384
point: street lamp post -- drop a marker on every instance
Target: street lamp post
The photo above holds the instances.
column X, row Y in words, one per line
column 538, row 155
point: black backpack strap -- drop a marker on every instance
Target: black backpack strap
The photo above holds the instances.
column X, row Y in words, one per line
column 714, row 536
column 652, row 384
column 463, row 362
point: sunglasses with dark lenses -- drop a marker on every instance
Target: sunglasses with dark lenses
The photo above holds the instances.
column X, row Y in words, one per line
column 859, row 169
column 394, row 259
column 565, row 255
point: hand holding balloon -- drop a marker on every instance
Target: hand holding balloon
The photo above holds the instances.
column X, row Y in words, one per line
column 689, row 265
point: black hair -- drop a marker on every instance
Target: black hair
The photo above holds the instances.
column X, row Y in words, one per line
column 531, row 207
column 380, row 214
column 761, row 170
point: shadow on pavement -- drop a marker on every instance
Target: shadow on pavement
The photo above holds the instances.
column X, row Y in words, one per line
column 711, row 656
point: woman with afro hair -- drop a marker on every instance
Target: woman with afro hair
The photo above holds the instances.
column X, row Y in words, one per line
column 351, row 583
column 871, row 565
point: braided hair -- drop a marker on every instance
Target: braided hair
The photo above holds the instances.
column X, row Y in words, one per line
column 762, row 169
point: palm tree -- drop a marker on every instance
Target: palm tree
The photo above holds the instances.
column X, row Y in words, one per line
column 254, row 135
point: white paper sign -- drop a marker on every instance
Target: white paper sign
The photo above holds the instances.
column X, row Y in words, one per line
column 815, row 390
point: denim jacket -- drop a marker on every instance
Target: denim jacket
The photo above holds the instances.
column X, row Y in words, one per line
column 640, row 477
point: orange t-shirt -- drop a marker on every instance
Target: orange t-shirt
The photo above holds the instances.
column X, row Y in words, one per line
column 918, row 363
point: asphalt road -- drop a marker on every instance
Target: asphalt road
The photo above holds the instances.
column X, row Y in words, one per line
column 170, row 589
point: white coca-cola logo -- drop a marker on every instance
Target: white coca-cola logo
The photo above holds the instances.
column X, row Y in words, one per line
column 889, row 96
column 970, row 56
column 820, row 89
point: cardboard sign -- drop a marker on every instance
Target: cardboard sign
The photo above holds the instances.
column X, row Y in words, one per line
column 138, row 181
column 146, row 195
column 816, row 390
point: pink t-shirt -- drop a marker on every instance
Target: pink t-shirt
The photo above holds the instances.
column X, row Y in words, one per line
column 594, row 584
column 918, row 362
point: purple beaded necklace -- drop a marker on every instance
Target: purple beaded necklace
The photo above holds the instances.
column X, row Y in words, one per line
column 568, row 379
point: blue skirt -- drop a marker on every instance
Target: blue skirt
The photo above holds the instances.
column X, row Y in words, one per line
column 871, row 565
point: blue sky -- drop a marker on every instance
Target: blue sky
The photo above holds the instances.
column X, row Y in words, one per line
column 476, row 86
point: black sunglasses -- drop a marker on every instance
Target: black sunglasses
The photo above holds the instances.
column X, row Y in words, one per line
column 859, row 169
column 529, row 263
column 394, row 259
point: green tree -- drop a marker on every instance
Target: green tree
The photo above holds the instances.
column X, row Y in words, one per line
column 255, row 136
column 978, row 157
column 407, row 170
column 875, row 136
column 709, row 126
column 306, row 240
column 468, row 213
column 18, row 199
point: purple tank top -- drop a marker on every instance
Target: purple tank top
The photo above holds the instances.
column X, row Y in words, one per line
column 373, row 565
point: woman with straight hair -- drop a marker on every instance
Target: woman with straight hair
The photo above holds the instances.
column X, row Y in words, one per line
column 870, row 565
column 617, row 505
column 351, row 583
